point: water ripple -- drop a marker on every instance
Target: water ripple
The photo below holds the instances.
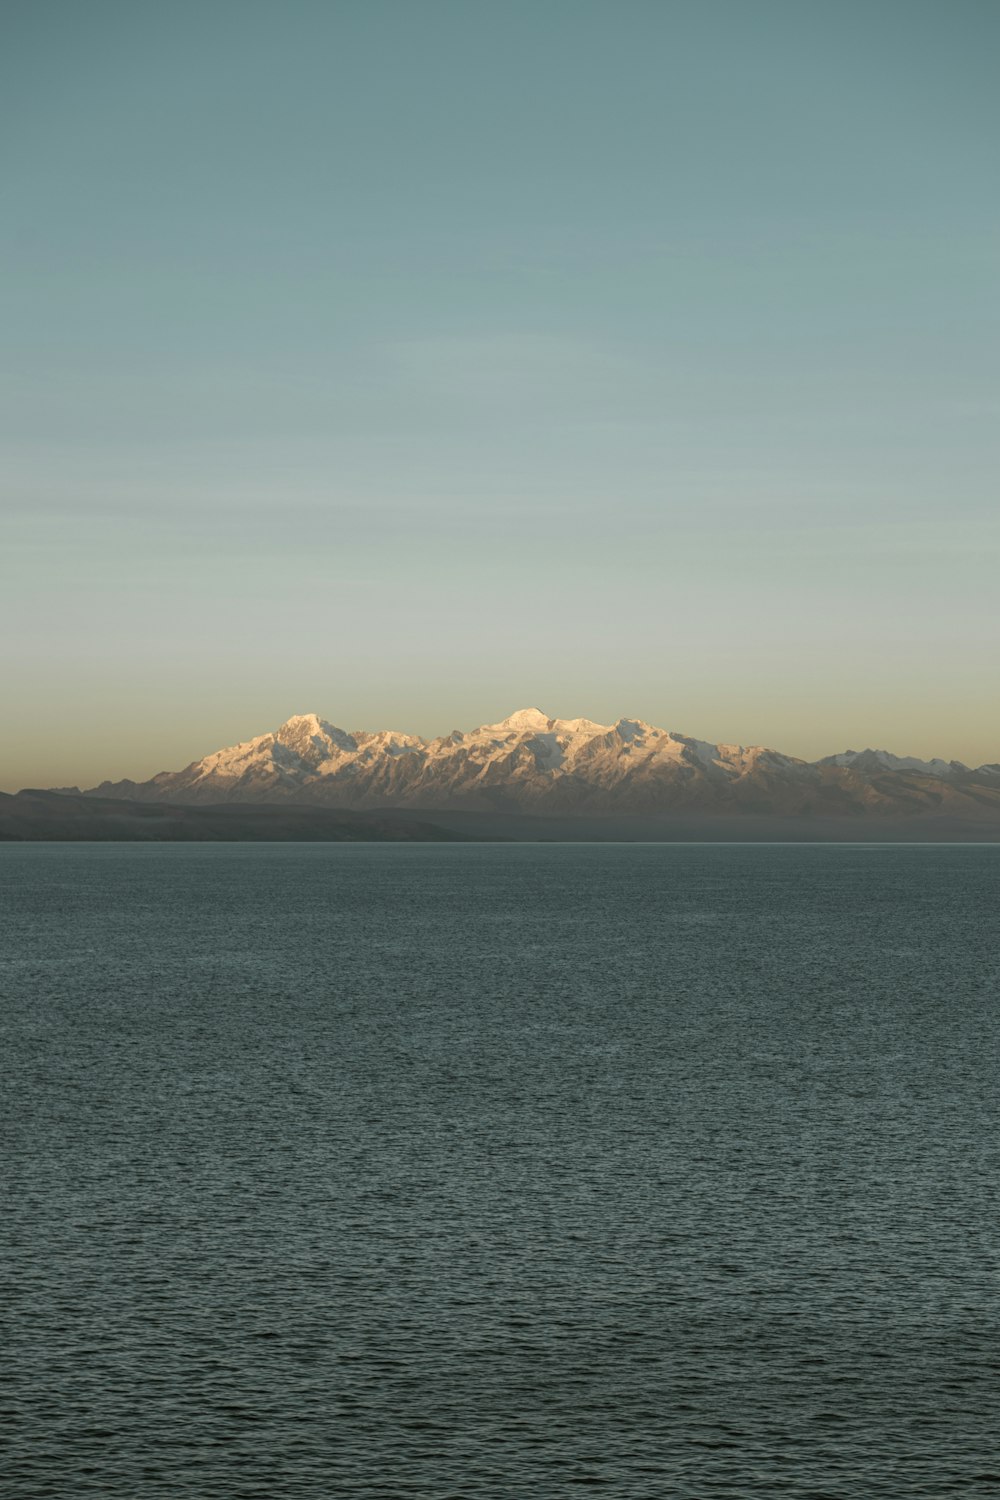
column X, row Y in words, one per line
column 485, row 1172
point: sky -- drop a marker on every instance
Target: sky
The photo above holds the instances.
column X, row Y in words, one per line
column 411, row 363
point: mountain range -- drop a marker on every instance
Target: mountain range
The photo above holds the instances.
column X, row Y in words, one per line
column 532, row 764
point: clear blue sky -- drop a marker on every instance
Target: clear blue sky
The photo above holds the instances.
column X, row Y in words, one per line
column 413, row 362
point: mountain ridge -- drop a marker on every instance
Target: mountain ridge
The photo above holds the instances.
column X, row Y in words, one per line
column 532, row 763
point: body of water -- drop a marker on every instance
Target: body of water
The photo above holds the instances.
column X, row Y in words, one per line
column 499, row 1171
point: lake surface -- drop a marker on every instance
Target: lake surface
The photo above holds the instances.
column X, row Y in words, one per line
column 493, row 1171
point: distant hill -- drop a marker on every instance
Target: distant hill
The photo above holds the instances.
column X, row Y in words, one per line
column 35, row 815
column 58, row 816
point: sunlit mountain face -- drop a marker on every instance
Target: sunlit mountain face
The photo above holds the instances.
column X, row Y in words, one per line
column 530, row 762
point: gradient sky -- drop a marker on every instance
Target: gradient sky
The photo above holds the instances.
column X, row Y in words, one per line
column 414, row 362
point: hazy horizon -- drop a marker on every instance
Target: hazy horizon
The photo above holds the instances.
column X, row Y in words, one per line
column 413, row 364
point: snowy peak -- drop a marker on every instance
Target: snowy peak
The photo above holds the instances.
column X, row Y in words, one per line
column 580, row 726
column 313, row 739
column 630, row 730
column 524, row 721
column 870, row 761
column 534, row 721
column 302, row 727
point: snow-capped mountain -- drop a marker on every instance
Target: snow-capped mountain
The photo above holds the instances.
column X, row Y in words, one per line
column 530, row 762
column 882, row 760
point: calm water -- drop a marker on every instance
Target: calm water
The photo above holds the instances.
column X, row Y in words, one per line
column 438, row 1171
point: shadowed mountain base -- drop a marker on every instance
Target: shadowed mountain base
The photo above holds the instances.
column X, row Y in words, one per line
column 38, row 815
column 55, row 816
